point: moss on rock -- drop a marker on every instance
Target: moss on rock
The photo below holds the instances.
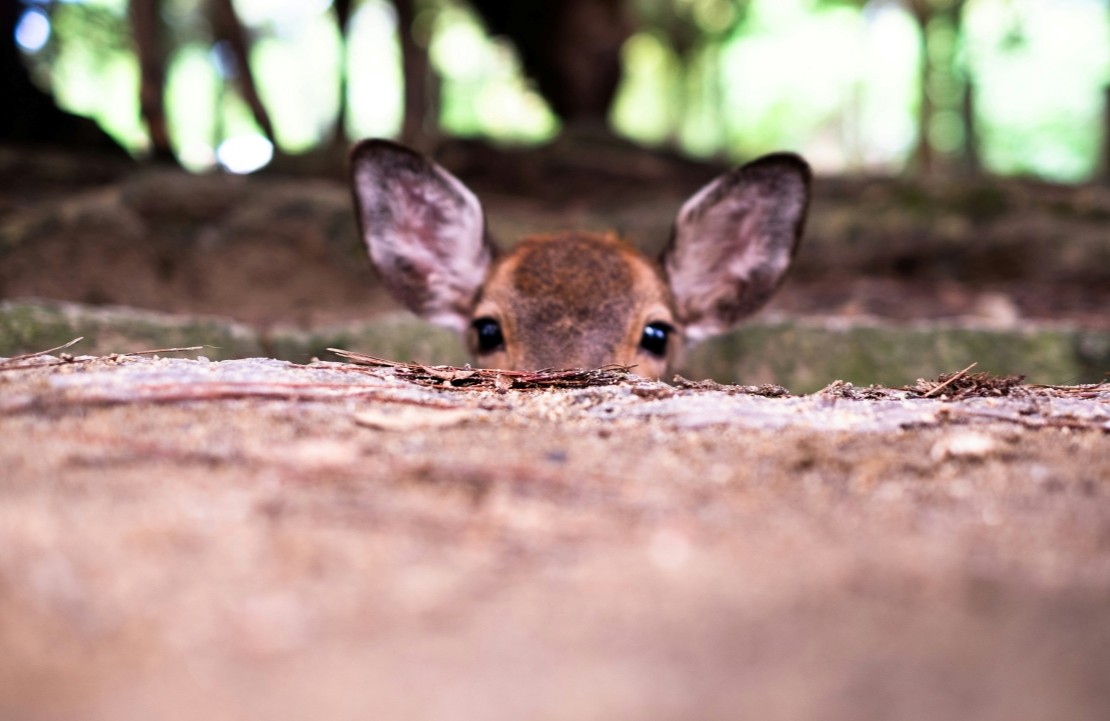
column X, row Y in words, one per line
column 31, row 326
column 801, row 354
column 398, row 337
column 805, row 355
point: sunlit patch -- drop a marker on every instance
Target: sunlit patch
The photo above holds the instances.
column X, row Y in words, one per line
column 33, row 30
column 375, row 81
column 244, row 153
column 288, row 17
column 484, row 89
column 196, row 156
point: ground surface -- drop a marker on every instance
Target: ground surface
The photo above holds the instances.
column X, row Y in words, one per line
column 254, row 539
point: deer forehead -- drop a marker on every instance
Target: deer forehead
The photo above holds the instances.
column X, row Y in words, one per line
column 576, row 278
column 574, row 299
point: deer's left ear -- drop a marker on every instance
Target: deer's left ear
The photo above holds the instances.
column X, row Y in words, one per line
column 424, row 229
column 733, row 242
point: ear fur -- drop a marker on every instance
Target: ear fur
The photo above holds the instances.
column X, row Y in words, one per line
column 424, row 229
column 733, row 242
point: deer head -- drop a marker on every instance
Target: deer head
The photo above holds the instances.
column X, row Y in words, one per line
column 577, row 299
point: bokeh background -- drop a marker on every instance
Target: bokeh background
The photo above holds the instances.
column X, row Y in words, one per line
column 1013, row 87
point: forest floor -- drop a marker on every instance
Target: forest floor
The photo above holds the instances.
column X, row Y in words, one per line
column 259, row 539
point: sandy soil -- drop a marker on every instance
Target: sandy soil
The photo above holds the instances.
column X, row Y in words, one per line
column 238, row 540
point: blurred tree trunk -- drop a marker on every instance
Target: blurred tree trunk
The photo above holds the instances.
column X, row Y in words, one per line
column 420, row 106
column 343, row 19
column 150, row 48
column 946, row 88
column 1106, row 136
column 30, row 115
column 570, row 48
column 226, row 27
column 923, row 151
column 971, row 159
column 1106, row 132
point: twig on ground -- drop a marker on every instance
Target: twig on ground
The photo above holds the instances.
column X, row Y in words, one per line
column 1092, row 390
column 961, row 385
column 1068, row 422
column 955, row 377
column 159, row 350
column 13, row 364
column 491, row 378
column 767, row 390
column 5, row 363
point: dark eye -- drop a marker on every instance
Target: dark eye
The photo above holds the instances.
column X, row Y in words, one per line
column 654, row 339
column 489, row 335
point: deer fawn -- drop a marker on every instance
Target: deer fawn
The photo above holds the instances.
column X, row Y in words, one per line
column 577, row 299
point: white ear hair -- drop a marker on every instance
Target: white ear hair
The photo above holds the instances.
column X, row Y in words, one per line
column 733, row 242
column 424, row 229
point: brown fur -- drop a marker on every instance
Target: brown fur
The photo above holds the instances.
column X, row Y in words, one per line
column 574, row 299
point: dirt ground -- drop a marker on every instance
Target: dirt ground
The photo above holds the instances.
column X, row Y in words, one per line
column 253, row 539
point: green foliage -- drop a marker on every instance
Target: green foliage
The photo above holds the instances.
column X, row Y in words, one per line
column 483, row 89
column 836, row 79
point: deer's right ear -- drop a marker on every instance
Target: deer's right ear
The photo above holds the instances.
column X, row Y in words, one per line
column 734, row 241
column 424, row 229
